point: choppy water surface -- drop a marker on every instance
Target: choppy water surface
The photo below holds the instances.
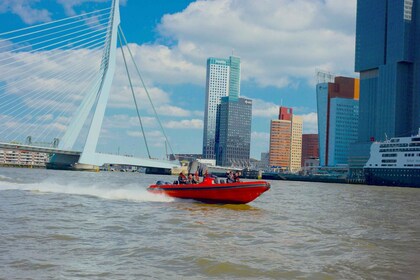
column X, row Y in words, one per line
column 73, row 225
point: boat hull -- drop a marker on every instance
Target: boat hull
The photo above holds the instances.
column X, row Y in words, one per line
column 400, row 177
column 226, row 193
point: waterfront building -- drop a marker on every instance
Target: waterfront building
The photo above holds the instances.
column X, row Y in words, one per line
column 222, row 79
column 187, row 157
column 310, row 165
column 338, row 113
column 10, row 157
column 265, row 161
column 286, row 141
column 388, row 60
column 233, row 132
column 310, row 148
column 296, row 144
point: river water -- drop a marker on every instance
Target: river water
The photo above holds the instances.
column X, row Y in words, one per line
column 74, row 225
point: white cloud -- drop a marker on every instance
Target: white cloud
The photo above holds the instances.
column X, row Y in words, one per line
column 69, row 5
column 310, row 123
column 169, row 110
column 134, row 133
column 128, row 122
column 264, row 109
column 163, row 64
column 278, row 41
column 25, row 10
column 185, row 124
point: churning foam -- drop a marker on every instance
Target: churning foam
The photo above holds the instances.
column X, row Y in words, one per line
column 131, row 192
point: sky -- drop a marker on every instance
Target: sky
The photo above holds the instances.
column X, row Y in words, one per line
column 282, row 44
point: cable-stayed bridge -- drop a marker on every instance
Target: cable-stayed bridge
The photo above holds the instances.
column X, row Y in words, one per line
column 55, row 84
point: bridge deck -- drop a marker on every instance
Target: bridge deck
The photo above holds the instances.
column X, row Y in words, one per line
column 47, row 150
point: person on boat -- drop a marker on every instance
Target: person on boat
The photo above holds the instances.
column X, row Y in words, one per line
column 236, row 177
column 190, row 179
column 205, row 175
column 196, row 178
column 182, row 179
column 230, row 177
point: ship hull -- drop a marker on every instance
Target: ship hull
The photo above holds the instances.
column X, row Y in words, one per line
column 401, row 177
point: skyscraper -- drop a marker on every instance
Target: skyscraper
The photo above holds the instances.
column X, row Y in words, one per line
column 233, row 132
column 286, row 141
column 388, row 60
column 223, row 79
column 338, row 112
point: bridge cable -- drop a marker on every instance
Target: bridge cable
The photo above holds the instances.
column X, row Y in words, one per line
column 92, row 46
column 69, row 42
column 35, row 114
column 132, row 92
column 147, row 92
column 35, row 92
column 51, row 33
column 51, row 22
column 67, row 34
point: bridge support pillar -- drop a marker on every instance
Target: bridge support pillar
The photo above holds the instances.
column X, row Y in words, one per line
column 69, row 162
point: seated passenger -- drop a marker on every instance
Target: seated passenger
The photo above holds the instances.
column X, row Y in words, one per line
column 182, row 179
column 196, row 178
column 190, row 179
column 230, row 178
column 236, row 177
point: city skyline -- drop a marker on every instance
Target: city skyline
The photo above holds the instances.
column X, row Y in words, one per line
column 172, row 52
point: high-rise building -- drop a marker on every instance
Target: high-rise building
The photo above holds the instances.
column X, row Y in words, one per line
column 296, row 143
column 310, row 148
column 223, row 79
column 233, row 132
column 388, row 60
column 286, row 141
column 338, row 112
column 265, row 161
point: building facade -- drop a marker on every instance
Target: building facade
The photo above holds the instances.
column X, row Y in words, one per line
column 223, row 79
column 9, row 157
column 296, row 144
column 286, row 141
column 310, row 147
column 388, row 60
column 338, row 113
column 233, row 132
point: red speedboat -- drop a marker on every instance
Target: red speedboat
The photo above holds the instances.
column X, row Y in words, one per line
column 211, row 192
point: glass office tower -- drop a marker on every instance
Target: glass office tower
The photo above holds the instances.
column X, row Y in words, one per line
column 338, row 114
column 223, row 79
column 388, row 60
column 233, row 132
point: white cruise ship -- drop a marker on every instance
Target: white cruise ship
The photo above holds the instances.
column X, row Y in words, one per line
column 395, row 162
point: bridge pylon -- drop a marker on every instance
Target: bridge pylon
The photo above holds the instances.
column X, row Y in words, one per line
column 97, row 98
